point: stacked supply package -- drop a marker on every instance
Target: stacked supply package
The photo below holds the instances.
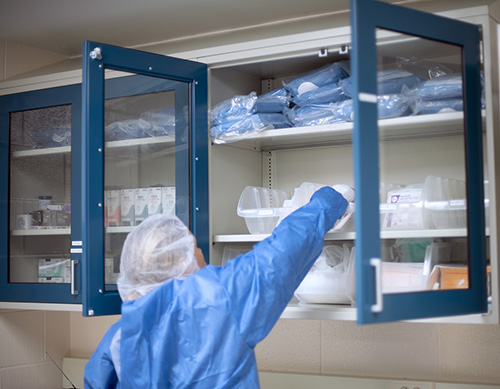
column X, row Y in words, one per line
column 244, row 115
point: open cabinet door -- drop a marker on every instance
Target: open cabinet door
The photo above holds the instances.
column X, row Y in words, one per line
column 387, row 68
column 144, row 151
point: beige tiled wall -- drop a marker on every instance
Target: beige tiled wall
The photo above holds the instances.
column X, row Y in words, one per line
column 25, row 337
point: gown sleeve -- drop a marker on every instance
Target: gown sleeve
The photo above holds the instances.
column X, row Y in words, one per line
column 260, row 283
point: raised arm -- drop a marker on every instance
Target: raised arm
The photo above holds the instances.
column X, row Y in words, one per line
column 261, row 283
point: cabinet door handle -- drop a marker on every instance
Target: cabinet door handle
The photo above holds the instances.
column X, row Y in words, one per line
column 379, row 304
column 74, row 262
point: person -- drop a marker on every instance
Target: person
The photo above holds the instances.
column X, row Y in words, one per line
column 187, row 325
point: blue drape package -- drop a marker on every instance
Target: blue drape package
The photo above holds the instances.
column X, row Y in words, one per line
column 325, row 75
column 235, row 108
column 392, row 81
column 389, row 106
column 425, row 107
column 442, row 87
column 330, row 93
column 313, row 115
column 274, row 101
column 239, row 129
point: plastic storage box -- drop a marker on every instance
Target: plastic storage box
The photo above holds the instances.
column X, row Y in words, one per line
column 261, row 208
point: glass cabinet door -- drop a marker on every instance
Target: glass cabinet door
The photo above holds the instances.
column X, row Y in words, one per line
column 145, row 153
column 420, row 227
column 37, row 131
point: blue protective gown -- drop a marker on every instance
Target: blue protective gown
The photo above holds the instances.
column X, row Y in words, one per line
column 201, row 332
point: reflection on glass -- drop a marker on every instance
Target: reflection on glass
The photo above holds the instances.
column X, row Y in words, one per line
column 422, row 180
column 40, row 195
column 142, row 129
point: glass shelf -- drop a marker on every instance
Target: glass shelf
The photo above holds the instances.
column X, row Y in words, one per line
column 45, row 231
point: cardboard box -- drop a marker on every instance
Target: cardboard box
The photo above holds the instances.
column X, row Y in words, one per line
column 141, row 205
column 450, row 277
column 154, row 201
column 113, row 208
column 128, row 207
column 168, row 200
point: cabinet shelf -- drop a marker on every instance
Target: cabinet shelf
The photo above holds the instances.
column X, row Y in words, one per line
column 160, row 140
column 444, row 233
column 407, row 127
column 48, row 231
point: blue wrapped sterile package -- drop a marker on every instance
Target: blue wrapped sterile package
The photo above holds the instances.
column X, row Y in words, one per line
column 442, row 87
column 239, row 129
column 325, row 75
column 389, row 106
column 391, row 81
column 330, row 93
column 274, row 101
column 235, row 108
column 313, row 115
column 425, row 107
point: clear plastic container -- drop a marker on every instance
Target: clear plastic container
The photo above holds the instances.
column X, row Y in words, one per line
column 231, row 252
column 261, row 208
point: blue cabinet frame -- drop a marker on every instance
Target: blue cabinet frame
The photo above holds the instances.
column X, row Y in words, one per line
column 366, row 17
column 38, row 292
column 192, row 175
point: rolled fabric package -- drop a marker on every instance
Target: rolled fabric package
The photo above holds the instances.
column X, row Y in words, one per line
column 330, row 93
column 239, row 129
column 312, row 80
column 391, row 81
column 389, row 106
column 313, row 115
column 442, row 87
column 274, row 101
column 235, row 108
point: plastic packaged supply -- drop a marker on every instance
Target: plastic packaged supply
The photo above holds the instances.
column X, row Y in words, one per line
column 317, row 78
column 391, row 81
column 233, row 109
column 54, row 270
column 237, row 130
column 274, row 101
column 404, row 209
column 168, row 200
column 426, row 107
column 155, row 201
column 113, row 208
column 331, row 280
column 388, row 106
column 443, row 87
column 127, row 197
column 326, row 94
column 126, row 129
column 141, row 205
column 313, row 115
column 161, row 122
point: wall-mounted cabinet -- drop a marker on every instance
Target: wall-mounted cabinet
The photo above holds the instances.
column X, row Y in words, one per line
column 425, row 186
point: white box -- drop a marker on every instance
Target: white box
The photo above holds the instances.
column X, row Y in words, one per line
column 128, row 207
column 54, row 270
column 154, row 201
column 141, row 205
column 23, row 222
column 113, row 208
column 168, row 200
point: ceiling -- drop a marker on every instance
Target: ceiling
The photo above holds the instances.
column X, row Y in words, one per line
column 61, row 25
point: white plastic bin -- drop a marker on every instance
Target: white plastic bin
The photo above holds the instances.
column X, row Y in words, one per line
column 261, row 208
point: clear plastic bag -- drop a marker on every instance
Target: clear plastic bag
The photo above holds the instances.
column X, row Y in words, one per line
column 126, row 129
column 239, row 129
column 235, row 108
column 274, row 101
column 425, row 69
column 62, row 137
column 312, row 80
column 389, row 106
column 425, row 107
column 161, row 122
column 330, row 93
column 390, row 81
column 444, row 87
column 313, row 115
